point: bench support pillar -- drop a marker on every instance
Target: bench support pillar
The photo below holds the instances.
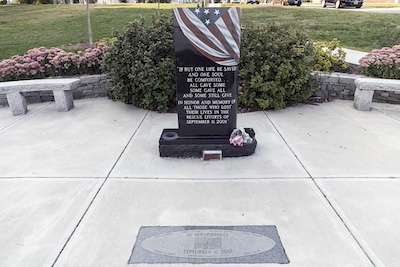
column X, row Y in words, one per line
column 64, row 100
column 363, row 99
column 17, row 103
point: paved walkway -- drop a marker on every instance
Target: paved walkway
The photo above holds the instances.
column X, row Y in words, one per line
column 75, row 187
column 353, row 56
column 391, row 10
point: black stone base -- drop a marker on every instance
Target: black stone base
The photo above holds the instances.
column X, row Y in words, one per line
column 171, row 145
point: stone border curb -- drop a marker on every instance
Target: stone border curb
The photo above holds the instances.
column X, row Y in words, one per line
column 342, row 86
column 91, row 86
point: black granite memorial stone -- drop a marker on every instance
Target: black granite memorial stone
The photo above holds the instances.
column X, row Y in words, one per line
column 207, row 52
column 206, row 77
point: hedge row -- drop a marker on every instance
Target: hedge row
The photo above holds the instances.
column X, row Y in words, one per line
column 275, row 66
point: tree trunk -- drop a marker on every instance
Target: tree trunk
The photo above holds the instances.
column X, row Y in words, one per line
column 89, row 25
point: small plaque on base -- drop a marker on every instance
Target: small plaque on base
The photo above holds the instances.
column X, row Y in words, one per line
column 212, row 154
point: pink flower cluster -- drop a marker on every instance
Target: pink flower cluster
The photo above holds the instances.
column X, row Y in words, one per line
column 42, row 62
column 237, row 140
column 383, row 63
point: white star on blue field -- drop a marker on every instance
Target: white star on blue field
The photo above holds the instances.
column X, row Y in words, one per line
column 208, row 15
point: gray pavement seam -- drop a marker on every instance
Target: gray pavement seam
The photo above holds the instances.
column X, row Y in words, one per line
column 384, row 113
column 206, row 179
column 127, row 144
column 359, row 177
column 284, row 140
column 75, row 224
column 369, row 252
column 50, row 177
column 52, row 258
column 209, row 179
column 24, row 117
column 93, row 198
column 338, row 211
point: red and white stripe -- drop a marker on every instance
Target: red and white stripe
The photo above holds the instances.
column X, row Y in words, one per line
column 219, row 43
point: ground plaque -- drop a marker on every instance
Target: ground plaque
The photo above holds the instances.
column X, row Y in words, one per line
column 207, row 52
column 208, row 244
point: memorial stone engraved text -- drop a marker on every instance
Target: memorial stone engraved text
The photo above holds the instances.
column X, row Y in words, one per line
column 207, row 42
column 207, row 100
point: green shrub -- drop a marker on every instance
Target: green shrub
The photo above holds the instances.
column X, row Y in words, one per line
column 35, row 2
column 156, row 1
column 141, row 65
column 329, row 55
column 108, row 41
column 275, row 67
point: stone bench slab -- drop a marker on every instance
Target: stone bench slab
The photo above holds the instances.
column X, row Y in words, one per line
column 40, row 85
column 62, row 91
column 365, row 88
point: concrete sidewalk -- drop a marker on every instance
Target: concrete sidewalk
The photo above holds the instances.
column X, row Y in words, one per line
column 353, row 56
column 75, row 187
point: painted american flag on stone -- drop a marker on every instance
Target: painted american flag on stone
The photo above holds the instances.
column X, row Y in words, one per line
column 214, row 32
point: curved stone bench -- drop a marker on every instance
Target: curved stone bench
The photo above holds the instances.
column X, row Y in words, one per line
column 62, row 90
column 365, row 88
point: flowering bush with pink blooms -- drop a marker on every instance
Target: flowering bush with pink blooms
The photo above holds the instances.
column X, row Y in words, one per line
column 383, row 63
column 42, row 62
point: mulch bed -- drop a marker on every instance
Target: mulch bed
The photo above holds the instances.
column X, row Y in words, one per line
column 351, row 69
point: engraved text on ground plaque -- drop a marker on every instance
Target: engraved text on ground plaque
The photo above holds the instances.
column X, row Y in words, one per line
column 222, row 244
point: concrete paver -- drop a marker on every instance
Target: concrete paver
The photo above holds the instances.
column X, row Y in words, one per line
column 388, row 109
column 372, row 207
column 322, row 221
column 336, row 140
column 37, row 216
column 310, row 232
column 142, row 157
column 7, row 118
column 353, row 56
column 84, row 142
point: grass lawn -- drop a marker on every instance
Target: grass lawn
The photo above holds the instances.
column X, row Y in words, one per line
column 23, row 27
